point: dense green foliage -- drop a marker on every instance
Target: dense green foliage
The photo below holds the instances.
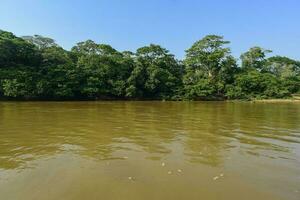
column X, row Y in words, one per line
column 35, row 67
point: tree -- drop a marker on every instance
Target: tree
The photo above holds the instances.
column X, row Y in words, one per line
column 287, row 70
column 40, row 42
column 209, row 67
column 15, row 51
column 156, row 74
column 104, row 69
column 89, row 47
column 283, row 67
column 255, row 58
column 58, row 78
column 256, row 85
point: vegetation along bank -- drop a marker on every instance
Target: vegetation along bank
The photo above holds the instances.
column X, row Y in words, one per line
column 36, row 68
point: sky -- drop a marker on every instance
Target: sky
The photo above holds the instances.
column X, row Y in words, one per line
column 173, row 24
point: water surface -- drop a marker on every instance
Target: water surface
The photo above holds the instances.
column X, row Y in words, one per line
column 149, row 150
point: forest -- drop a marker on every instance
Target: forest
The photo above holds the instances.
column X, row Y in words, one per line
column 36, row 68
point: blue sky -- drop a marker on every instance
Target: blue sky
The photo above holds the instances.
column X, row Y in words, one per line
column 174, row 24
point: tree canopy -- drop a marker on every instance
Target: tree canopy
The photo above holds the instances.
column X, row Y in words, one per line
column 35, row 67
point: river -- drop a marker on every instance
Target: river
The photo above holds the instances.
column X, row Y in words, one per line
column 149, row 150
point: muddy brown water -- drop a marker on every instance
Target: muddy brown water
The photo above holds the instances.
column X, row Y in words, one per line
column 149, row 150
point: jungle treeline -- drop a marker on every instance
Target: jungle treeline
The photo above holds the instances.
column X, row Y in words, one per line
column 36, row 68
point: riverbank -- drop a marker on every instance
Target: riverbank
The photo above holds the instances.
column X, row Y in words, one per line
column 158, row 100
column 277, row 100
column 295, row 98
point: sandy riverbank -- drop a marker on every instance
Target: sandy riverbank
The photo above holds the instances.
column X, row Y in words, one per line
column 277, row 100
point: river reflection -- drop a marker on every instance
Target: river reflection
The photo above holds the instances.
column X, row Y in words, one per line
column 134, row 139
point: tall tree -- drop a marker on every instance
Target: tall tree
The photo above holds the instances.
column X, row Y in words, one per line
column 157, row 74
column 255, row 58
column 104, row 69
column 209, row 67
column 15, row 51
column 287, row 70
column 283, row 67
column 40, row 41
